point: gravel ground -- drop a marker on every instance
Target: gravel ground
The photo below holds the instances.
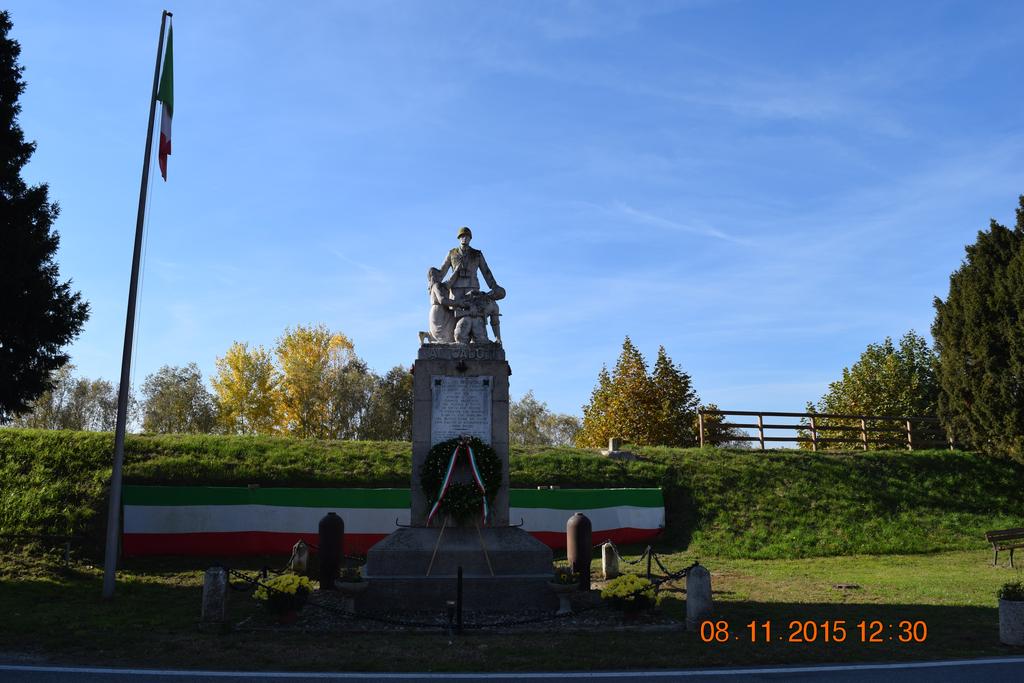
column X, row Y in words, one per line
column 325, row 613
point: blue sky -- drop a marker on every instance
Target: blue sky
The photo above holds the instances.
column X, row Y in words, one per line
column 764, row 188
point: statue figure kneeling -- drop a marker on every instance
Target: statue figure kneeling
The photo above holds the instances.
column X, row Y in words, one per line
column 471, row 321
column 442, row 319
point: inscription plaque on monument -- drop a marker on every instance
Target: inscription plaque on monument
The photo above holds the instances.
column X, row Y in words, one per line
column 460, row 406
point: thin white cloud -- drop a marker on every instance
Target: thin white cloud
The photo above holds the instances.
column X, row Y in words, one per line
column 695, row 228
column 371, row 273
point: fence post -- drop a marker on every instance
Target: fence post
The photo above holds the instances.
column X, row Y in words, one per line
column 700, row 426
column 760, row 429
column 910, row 437
column 863, row 434
column 949, row 437
column 814, row 435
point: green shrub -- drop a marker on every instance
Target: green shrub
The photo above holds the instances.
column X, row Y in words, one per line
column 630, row 592
column 1014, row 592
column 284, row 593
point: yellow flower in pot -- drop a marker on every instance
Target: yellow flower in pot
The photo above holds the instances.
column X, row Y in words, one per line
column 284, row 595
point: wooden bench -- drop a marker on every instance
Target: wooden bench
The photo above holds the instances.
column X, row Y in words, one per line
column 1005, row 539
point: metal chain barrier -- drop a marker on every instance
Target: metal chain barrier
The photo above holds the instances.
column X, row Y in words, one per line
column 331, row 608
column 597, row 545
column 657, row 560
column 254, row 582
column 315, row 547
column 624, row 560
column 673, row 576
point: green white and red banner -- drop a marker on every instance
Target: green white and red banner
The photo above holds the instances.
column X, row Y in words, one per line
column 218, row 521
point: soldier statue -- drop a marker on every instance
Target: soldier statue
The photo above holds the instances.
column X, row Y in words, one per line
column 459, row 310
column 464, row 261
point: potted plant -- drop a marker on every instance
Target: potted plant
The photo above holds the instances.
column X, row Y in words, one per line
column 630, row 593
column 1011, row 613
column 351, row 584
column 563, row 583
column 284, row 595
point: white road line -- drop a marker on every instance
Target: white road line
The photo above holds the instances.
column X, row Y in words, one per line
column 517, row 674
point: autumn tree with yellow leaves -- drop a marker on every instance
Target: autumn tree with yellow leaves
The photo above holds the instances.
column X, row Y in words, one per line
column 623, row 403
column 313, row 385
column 245, row 385
column 311, row 360
column 641, row 408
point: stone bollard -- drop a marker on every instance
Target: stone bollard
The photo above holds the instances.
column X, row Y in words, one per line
column 609, row 561
column 215, row 596
column 300, row 557
column 698, row 597
column 577, row 547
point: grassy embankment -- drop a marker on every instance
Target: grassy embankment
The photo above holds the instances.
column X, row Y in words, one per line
column 727, row 504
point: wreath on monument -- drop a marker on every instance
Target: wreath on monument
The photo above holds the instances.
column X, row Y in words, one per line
column 461, row 501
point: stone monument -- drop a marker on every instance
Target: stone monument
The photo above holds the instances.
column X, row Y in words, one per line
column 460, row 389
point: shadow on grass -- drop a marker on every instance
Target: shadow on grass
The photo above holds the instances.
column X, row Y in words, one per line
column 61, row 609
column 153, row 621
column 808, row 631
column 682, row 514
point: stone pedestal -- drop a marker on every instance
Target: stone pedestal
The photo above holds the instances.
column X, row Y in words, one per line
column 460, row 362
column 459, row 389
column 397, row 570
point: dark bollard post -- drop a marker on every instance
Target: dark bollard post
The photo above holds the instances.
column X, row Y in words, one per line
column 458, row 603
column 649, row 553
column 577, row 546
column 332, row 543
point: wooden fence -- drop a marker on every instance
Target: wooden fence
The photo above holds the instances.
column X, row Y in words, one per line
column 888, row 430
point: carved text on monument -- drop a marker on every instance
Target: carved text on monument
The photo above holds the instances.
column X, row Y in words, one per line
column 462, row 352
column 461, row 406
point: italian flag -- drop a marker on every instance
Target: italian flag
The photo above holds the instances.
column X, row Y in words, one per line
column 224, row 521
column 166, row 96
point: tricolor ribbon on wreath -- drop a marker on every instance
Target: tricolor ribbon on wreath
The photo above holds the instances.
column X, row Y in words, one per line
column 447, row 483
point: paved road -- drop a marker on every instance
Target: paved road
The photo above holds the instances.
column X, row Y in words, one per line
column 994, row 670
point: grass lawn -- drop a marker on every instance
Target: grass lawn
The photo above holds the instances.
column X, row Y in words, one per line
column 778, row 530
column 56, row 613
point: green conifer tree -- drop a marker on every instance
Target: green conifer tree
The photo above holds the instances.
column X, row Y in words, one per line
column 634, row 403
column 596, row 426
column 39, row 315
column 625, row 404
column 979, row 336
column 675, row 424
